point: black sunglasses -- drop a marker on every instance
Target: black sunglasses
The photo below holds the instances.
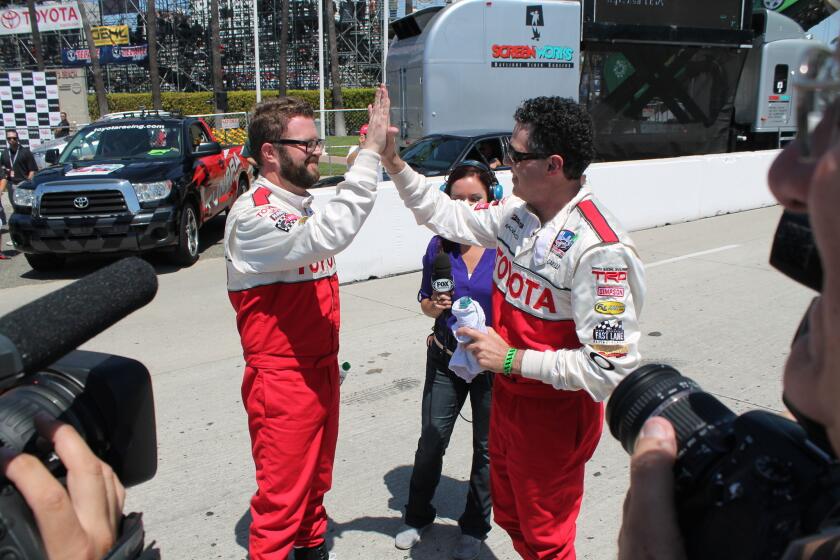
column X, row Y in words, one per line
column 515, row 156
column 10, row 138
column 311, row 145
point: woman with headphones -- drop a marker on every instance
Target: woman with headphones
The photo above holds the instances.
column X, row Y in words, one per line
column 444, row 393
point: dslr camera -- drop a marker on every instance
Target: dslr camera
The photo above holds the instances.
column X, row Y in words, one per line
column 746, row 486
column 106, row 398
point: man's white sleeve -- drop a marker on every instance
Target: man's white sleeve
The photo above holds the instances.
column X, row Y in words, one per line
column 454, row 220
column 608, row 290
column 266, row 240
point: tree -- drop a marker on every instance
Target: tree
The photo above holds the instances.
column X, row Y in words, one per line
column 151, row 38
column 335, row 78
column 284, row 47
column 219, row 93
column 36, row 35
column 96, row 70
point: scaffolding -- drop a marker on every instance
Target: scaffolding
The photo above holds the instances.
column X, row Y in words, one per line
column 183, row 34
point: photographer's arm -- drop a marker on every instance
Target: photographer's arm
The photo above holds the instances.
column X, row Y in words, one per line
column 649, row 527
column 81, row 522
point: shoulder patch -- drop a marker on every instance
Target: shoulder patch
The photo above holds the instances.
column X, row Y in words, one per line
column 595, row 219
column 260, row 196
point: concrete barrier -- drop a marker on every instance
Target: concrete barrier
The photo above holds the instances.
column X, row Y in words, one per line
column 641, row 194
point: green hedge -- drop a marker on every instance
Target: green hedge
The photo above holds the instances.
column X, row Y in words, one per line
column 197, row 103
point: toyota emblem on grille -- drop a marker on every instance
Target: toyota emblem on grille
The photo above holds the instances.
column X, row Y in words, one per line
column 81, row 202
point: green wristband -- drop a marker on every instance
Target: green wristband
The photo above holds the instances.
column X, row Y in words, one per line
column 511, row 354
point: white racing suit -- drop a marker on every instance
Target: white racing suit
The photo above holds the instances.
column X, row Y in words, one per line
column 568, row 292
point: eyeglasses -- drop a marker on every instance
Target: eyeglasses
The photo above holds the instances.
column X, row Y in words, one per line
column 515, row 156
column 311, row 146
column 817, row 84
column 10, row 138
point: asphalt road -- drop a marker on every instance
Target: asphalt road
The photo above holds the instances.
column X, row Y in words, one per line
column 715, row 310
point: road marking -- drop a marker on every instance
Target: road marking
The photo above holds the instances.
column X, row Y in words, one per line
column 689, row 256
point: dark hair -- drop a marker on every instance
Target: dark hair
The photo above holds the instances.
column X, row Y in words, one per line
column 270, row 119
column 559, row 126
column 483, row 173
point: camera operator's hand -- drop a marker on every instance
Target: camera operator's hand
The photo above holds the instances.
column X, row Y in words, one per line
column 649, row 529
column 81, row 522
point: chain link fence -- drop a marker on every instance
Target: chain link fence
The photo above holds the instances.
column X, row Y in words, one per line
column 342, row 134
column 229, row 129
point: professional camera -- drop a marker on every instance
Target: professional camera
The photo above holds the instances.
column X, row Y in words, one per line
column 106, row 398
column 746, row 486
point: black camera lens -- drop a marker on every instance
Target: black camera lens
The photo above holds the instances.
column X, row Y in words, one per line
column 660, row 390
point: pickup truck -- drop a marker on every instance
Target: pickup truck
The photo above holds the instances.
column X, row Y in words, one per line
column 127, row 185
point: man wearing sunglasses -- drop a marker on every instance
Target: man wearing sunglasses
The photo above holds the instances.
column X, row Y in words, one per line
column 568, row 289
column 283, row 285
column 805, row 179
column 16, row 164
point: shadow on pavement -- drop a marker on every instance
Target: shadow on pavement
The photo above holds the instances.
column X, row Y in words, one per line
column 438, row 542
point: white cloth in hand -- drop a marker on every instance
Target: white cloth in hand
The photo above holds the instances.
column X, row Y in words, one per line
column 468, row 313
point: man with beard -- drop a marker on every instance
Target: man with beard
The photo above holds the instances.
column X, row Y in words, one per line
column 282, row 283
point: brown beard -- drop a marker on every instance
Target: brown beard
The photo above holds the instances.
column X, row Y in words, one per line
column 297, row 174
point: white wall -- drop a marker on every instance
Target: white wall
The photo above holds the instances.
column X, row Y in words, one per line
column 641, row 194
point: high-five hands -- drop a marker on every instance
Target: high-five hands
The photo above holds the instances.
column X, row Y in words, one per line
column 378, row 121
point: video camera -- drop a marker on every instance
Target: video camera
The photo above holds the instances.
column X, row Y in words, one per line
column 746, row 486
column 106, row 398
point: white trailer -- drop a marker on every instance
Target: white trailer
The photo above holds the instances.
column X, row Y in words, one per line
column 463, row 67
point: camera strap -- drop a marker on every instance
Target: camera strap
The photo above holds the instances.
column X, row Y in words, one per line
column 130, row 544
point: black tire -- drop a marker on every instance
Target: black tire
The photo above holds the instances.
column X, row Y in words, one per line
column 45, row 263
column 186, row 252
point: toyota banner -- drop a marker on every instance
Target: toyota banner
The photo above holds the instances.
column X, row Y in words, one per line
column 54, row 16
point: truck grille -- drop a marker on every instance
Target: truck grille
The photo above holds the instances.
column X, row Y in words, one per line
column 100, row 203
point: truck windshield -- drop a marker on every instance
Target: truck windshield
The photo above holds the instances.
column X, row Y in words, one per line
column 434, row 156
column 153, row 140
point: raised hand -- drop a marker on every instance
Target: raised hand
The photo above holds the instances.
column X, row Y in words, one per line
column 378, row 121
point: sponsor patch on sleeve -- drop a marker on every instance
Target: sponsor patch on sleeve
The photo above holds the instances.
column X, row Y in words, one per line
column 610, row 291
column 611, row 330
column 611, row 350
column 610, row 275
column 481, row 206
column 609, row 307
column 284, row 221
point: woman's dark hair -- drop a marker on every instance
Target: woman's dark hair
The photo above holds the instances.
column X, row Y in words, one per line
column 484, row 175
column 487, row 180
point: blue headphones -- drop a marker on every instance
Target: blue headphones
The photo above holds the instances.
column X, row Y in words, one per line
column 496, row 190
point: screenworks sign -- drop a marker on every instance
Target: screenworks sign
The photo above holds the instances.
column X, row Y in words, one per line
column 710, row 14
column 50, row 17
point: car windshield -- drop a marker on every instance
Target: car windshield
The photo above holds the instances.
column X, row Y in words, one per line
column 434, row 156
column 153, row 140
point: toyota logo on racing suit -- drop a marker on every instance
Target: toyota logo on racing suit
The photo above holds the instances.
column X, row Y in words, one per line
column 81, row 202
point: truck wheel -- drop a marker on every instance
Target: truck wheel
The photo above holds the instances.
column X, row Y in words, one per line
column 186, row 252
column 44, row 263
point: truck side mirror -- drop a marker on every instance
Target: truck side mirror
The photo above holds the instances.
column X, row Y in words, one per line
column 207, row 149
column 51, row 156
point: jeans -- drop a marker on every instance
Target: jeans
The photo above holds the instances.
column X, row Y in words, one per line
column 444, row 394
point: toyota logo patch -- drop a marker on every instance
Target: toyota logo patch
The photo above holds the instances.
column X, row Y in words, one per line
column 81, row 202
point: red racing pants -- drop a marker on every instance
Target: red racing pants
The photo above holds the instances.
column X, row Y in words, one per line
column 540, row 439
column 293, row 421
